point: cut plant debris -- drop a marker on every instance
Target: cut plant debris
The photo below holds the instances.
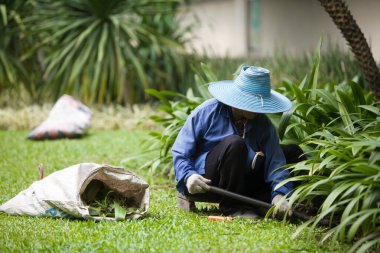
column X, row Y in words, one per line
column 104, row 202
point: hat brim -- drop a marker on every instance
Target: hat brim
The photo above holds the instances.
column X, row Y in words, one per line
column 227, row 93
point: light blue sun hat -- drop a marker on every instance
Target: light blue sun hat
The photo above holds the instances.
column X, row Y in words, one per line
column 250, row 91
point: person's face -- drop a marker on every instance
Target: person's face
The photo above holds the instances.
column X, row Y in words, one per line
column 249, row 115
column 237, row 113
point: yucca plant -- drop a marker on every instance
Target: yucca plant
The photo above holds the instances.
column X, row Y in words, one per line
column 93, row 48
column 12, row 40
column 168, row 66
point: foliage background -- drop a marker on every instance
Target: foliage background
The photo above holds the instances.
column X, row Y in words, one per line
column 106, row 52
column 99, row 51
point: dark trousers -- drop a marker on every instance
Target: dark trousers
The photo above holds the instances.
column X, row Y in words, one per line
column 226, row 167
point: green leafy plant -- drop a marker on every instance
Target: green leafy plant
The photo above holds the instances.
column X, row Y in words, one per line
column 112, row 205
column 94, row 49
column 175, row 107
column 21, row 73
column 338, row 126
column 12, row 42
column 316, row 104
column 104, row 202
column 342, row 176
column 168, row 66
column 176, row 112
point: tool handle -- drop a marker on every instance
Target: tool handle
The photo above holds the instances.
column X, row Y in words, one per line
column 253, row 202
column 242, row 198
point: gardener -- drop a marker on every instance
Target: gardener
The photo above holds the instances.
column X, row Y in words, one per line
column 229, row 142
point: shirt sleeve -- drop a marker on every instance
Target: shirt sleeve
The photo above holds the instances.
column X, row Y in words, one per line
column 274, row 159
column 184, row 148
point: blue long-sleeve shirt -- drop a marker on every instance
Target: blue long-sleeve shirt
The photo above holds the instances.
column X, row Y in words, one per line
column 209, row 124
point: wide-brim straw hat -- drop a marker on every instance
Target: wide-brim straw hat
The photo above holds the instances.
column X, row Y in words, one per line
column 250, row 91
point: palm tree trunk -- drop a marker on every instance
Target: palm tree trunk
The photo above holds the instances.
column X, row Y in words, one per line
column 338, row 11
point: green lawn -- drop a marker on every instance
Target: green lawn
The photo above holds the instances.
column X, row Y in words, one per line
column 164, row 229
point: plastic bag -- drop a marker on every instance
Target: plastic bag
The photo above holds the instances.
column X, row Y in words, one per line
column 68, row 118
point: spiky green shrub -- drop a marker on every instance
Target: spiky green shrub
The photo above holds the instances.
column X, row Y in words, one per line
column 97, row 50
column 169, row 67
column 12, row 42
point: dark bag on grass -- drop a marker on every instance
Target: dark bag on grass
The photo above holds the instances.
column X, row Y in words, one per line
column 85, row 190
column 68, row 118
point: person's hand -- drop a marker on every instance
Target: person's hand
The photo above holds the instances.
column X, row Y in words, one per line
column 197, row 184
column 283, row 205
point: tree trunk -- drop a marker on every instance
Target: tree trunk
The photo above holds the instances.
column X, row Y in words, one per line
column 338, row 11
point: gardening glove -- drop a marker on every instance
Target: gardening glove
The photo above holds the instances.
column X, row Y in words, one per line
column 197, row 184
column 283, row 205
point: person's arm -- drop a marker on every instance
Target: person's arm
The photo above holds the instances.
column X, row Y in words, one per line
column 274, row 158
column 184, row 148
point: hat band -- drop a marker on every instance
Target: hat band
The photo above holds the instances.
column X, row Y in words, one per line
column 259, row 85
